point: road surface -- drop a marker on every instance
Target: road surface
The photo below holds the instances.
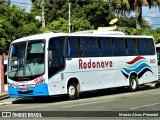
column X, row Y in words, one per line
column 95, row 104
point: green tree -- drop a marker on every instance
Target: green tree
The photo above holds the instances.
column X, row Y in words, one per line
column 15, row 23
column 130, row 22
column 97, row 13
column 53, row 9
column 60, row 25
column 27, row 29
column 2, row 40
column 154, row 33
column 80, row 24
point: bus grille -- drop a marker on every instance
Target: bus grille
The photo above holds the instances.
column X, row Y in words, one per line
column 26, row 85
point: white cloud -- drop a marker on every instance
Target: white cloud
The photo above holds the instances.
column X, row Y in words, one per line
column 26, row 4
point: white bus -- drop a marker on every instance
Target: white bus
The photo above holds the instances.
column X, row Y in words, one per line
column 59, row 63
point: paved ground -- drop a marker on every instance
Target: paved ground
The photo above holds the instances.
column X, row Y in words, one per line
column 4, row 98
column 90, row 105
column 93, row 104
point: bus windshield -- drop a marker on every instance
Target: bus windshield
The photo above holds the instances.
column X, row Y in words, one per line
column 26, row 60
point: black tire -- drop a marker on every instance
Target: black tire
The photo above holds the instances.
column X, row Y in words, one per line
column 157, row 85
column 72, row 91
column 133, row 84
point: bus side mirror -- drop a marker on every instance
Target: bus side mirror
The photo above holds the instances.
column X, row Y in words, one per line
column 50, row 55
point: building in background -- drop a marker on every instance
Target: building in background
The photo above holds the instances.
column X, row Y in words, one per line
column 3, row 73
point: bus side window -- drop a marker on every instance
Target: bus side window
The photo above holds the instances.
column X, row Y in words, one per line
column 56, row 55
column 95, row 47
column 80, row 45
column 151, row 46
column 106, row 48
column 126, row 46
column 132, row 46
column 143, row 46
column 90, row 46
column 74, row 49
column 119, row 46
column 85, row 49
column 68, row 48
column 100, row 48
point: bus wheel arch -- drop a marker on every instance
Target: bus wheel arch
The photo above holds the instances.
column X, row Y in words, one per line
column 133, row 82
column 73, row 88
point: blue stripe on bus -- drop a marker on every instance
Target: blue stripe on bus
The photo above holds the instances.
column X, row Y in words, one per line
column 40, row 90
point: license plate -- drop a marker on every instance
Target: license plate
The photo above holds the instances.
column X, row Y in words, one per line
column 24, row 90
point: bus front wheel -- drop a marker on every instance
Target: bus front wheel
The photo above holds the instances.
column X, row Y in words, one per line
column 133, row 83
column 72, row 91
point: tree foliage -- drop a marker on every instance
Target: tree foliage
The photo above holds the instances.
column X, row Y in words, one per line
column 59, row 25
column 154, row 33
column 92, row 13
column 15, row 23
column 85, row 15
column 123, row 6
column 130, row 22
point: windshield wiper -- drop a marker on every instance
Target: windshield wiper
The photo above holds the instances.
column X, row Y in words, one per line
column 30, row 70
column 17, row 71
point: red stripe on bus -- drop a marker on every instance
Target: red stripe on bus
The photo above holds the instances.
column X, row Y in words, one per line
column 135, row 60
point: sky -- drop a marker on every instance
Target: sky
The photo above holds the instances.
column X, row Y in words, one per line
column 151, row 15
column 26, row 4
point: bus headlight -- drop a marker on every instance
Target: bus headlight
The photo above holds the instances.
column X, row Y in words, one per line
column 40, row 82
column 12, row 85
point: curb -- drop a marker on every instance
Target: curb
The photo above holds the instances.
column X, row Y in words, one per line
column 4, row 97
column 5, row 103
column 152, row 85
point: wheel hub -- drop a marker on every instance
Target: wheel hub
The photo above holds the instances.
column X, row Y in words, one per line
column 71, row 90
column 133, row 83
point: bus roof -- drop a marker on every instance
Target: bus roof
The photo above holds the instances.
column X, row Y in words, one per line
column 98, row 32
column 83, row 34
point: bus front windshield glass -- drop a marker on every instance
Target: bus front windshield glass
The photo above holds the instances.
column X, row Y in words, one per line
column 26, row 60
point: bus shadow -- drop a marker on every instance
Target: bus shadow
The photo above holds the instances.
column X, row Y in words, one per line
column 84, row 95
column 37, row 100
column 113, row 91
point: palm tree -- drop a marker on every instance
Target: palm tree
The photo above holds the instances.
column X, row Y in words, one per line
column 123, row 6
column 138, row 11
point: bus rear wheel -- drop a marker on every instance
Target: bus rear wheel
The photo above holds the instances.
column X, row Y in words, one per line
column 72, row 91
column 133, row 84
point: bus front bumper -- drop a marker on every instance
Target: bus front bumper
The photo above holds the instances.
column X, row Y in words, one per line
column 40, row 90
